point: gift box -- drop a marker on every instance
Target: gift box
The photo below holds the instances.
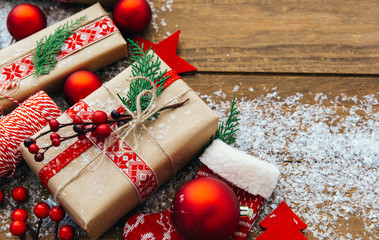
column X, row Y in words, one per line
column 109, row 3
column 98, row 187
column 94, row 45
column 27, row 119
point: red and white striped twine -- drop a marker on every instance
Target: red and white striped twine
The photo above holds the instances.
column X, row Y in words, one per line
column 27, row 119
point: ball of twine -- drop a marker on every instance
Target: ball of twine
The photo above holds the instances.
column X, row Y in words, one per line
column 27, row 119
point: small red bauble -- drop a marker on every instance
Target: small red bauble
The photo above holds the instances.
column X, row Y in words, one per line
column 66, row 232
column 17, row 228
column 56, row 214
column 20, row 194
column 132, row 16
column 79, row 85
column 41, row 210
column 103, row 131
column 19, row 214
column 99, row 117
column 33, row 149
column 24, row 20
column 205, row 209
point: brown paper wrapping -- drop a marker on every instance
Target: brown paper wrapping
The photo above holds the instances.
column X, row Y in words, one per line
column 110, row 3
column 96, row 200
column 102, row 53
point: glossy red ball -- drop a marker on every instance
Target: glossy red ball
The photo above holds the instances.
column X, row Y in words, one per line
column 19, row 214
column 205, row 209
column 41, row 210
column 33, row 149
column 57, row 214
column 77, row 120
column 54, row 124
column 56, row 142
column 17, row 228
column 54, row 136
column 132, row 16
column 24, row 20
column 66, row 232
column 20, row 194
column 103, row 130
column 79, row 85
column 99, row 117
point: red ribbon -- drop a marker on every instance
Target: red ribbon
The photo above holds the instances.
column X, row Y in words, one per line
column 129, row 163
column 83, row 37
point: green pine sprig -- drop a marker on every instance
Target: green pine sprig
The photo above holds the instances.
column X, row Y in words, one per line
column 227, row 131
column 143, row 65
column 48, row 48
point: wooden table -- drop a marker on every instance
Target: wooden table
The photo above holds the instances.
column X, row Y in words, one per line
column 330, row 47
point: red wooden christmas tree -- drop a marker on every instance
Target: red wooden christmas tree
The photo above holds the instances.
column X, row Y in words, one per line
column 282, row 224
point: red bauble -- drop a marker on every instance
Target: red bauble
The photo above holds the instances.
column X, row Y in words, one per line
column 17, row 228
column 66, row 232
column 79, row 85
column 24, row 20
column 57, row 214
column 20, row 194
column 19, row 214
column 41, row 210
column 132, row 16
column 205, row 209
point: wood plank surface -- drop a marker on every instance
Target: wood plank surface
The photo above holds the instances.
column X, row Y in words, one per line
column 318, row 36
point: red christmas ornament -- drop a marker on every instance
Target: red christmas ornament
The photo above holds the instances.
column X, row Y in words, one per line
column 79, row 85
column 132, row 16
column 205, row 209
column 56, row 214
column 24, row 20
column 20, row 194
column 41, row 210
column 17, row 228
column 66, row 232
column 19, row 214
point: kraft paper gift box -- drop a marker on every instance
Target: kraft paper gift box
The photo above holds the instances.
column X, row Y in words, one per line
column 97, row 192
column 94, row 45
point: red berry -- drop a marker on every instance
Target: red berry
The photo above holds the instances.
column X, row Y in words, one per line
column 56, row 142
column 56, row 214
column 77, row 120
column 19, row 214
column 41, row 210
column 54, row 136
column 66, row 232
column 1, row 196
column 103, row 130
column 54, row 124
column 99, row 117
column 20, row 194
column 82, row 137
column 39, row 157
column 18, row 228
column 33, row 148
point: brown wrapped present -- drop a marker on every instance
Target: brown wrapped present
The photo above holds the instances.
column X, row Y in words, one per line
column 94, row 45
column 110, row 3
column 97, row 191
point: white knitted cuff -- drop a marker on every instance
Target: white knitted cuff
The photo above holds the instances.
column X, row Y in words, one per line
column 245, row 171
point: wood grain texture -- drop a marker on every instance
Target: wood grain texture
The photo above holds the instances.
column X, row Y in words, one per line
column 299, row 36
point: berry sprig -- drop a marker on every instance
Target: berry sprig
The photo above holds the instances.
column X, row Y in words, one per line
column 19, row 216
column 100, row 126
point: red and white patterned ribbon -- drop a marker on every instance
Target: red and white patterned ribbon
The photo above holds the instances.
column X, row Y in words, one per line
column 83, row 37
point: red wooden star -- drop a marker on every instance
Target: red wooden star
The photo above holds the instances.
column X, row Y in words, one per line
column 166, row 50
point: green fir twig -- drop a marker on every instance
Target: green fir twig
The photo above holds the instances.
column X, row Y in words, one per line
column 227, row 131
column 144, row 65
column 48, row 48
